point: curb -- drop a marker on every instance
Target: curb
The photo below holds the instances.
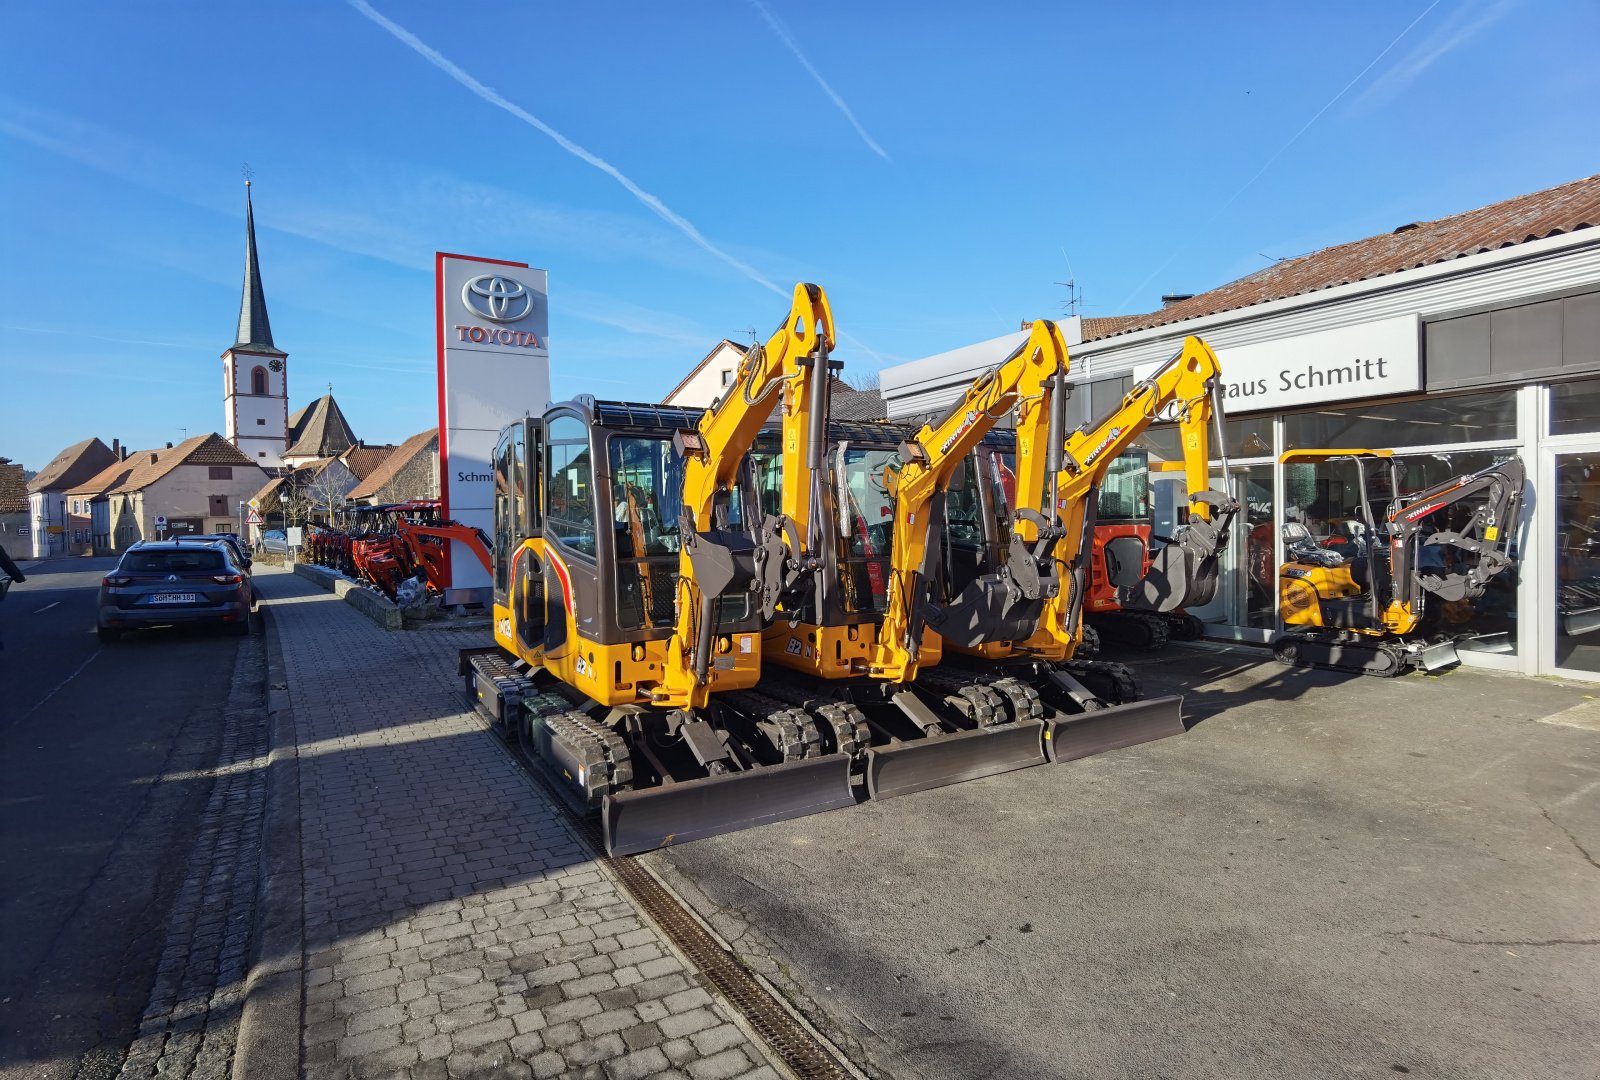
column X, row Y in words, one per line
column 268, row 1046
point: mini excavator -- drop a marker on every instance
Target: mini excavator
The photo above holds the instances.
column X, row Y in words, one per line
column 1365, row 613
column 645, row 583
column 1014, row 607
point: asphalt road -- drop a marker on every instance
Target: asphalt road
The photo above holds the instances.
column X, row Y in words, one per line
column 1326, row 877
column 102, row 753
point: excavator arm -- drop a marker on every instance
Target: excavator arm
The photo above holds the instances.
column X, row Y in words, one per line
column 1033, row 381
column 716, row 554
column 1184, row 572
column 1485, row 537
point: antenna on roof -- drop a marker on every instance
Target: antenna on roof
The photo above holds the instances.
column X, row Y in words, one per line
column 1074, row 300
column 247, row 172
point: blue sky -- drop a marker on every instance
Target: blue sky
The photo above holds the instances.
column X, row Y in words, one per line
column 938, row 167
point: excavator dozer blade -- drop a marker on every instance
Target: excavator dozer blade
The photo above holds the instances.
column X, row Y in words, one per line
column 1439, row 656
column 949, row 759
column 1083, row 735
column 650, row 818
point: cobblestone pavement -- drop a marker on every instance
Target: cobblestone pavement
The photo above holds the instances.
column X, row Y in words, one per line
column 454, row 925
column 192, row 1022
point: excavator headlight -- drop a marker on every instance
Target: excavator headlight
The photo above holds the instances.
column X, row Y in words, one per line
column 638, row 652
column 724, row 645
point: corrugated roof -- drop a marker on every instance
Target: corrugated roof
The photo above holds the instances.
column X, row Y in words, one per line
column 144, row 467
column 324, row 432
column 1551, row 212
column 394, row 463
column 13, row 488
column 73, row 466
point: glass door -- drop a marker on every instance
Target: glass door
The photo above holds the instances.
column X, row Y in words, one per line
column 1575, row 581
column 1245, row 607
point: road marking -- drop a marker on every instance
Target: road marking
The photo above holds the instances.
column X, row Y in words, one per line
column 47, row 607
column 61, row 684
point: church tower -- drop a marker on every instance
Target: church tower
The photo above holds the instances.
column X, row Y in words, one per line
column 255, row 371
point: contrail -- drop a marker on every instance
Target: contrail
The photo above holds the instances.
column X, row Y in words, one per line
column 1279, row 153
column 653, row 204
column 788, row 39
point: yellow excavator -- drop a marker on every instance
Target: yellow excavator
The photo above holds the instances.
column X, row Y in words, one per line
column 633, row 577
column 1360, row 605
column 1011, row 603
column 644, row 581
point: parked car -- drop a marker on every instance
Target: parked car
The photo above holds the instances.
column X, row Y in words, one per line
column 275, row 540
column 230, row 541
column 168, row 582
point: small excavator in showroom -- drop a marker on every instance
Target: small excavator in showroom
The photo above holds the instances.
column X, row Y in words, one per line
column 1365, row 611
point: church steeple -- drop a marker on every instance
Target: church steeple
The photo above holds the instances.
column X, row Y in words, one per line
column 255, row 372
column 255, row 331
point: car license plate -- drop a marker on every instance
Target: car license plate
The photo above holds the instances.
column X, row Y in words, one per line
column 174, row 598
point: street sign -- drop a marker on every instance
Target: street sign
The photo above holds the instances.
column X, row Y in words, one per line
column 252, row 518
column 161, row 521
column 254, row 504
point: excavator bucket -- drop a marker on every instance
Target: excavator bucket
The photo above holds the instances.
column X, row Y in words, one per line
column 676, row 813
column 1081, row 735
column 938, row 760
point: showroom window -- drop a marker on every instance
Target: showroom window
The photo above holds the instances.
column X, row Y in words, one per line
column 1575, row 407
column 1433, row 421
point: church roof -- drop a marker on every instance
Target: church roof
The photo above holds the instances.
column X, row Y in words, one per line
column 321, row 431
column 255, row 332
column 73, row 466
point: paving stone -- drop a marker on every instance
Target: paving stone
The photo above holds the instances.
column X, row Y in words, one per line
column 548, row 1064
column 723, row 1066
column 642, row 1035
column 715, row 1040
column 593, row 1051
column 635, row 1066
column 607, row 1022
column 575, row 1009
column 499, row 1030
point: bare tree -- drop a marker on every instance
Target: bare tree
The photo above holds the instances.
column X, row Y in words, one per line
column 865, row 380
column 305, row 495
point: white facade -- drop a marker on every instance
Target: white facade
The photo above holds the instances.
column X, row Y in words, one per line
column 256, row 404
column 709, row 380
column 47, row 510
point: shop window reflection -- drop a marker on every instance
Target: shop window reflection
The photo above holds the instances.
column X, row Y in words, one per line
column 1326, row 499
column 1575, row 408
column 1466, row 418
column 1578, row 561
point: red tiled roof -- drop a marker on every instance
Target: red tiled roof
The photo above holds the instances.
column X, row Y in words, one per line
column 1551, row 212
column 393, row 464
column 13, row 488
column 361, row 460
column 144, row 467
column 73, row 466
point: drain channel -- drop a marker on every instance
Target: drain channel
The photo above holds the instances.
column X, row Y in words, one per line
column 789, row 1040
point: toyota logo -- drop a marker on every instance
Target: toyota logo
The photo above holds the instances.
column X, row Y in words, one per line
column 496, row 298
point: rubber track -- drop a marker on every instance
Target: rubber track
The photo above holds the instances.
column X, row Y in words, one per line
column 1400, row 665
column 968, row 693
column 851, row 732
column 1125, row 688
column 796, row 732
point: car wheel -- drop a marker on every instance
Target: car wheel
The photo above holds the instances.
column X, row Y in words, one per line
column 106, row 634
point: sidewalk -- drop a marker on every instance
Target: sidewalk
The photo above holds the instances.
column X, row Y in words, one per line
column 453, row 924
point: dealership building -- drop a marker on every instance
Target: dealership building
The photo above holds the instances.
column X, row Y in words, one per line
column 1456, row 343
